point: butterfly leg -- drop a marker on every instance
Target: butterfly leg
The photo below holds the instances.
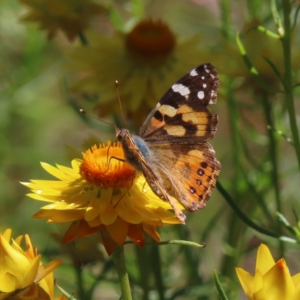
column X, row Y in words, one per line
column 178, row 212
column 132, row 178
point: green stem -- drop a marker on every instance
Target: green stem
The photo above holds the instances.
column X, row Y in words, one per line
column 119, row 260
column 273, row 150
column 142, row 255
column 156, row 268
column 234, row 120
column 286, row 45
column 80, row 289
column 225, row 15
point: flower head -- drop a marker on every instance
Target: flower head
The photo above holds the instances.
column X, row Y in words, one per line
column 70, row 16
column 271, row 280
column 102, row 194
column 22, row 275
column 146, row 61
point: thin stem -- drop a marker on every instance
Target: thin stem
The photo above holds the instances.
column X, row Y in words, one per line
column 225, row 15
column 142, row 255
column 242, row 215
column 234, row 120
column 156, row 268
column 80, row 289
column 119, row 260
column 273, row 151
column 286, row 45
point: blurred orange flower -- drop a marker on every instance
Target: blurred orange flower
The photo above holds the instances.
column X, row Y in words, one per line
column 102, row 194
column 22, row 275
column 146, row 61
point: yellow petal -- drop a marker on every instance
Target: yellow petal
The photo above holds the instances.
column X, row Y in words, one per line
column 8, row 283
column 44, row 271
column 296, row 295
column 126, row 212
column 151, row 231
column 258, row 292
column 109, row 216
column 30, row 274
column 59, row 216
column 7, row 234
column 118, row 231
column 264, row 260
column 296, row 279
column 246, row 281
column 11, row 259
column 278, row 283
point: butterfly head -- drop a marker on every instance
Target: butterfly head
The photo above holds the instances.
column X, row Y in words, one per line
column 135, row 149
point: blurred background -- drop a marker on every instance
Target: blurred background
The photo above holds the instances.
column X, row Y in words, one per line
column 58, row 57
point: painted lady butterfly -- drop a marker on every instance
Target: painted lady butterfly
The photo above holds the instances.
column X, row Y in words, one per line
column 172, row 149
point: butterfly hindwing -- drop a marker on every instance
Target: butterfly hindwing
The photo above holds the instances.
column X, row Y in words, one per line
column 189, row 172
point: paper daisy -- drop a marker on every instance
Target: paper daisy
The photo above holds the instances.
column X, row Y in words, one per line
column 102, row 193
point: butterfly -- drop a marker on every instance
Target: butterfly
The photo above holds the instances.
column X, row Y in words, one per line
column 171, row 148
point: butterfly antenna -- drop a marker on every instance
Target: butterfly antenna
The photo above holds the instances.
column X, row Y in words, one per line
column 95, row 118
column 121, row 108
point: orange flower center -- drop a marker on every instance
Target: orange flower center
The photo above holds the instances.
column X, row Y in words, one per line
column 151, row 41
column 104, row 167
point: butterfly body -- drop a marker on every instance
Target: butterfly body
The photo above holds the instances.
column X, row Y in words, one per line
column 172, row 149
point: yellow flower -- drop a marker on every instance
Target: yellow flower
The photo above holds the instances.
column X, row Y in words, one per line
column 22, row 275
column 70, row 16
column 102, row 194
column 146, row 61
column 272, row 281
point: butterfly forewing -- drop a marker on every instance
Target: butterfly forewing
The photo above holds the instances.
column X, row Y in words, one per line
column 182, row 112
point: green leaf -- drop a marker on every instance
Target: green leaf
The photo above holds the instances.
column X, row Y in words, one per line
column 137, row 8
column 116, row 19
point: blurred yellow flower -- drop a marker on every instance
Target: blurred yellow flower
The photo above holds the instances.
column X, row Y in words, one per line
column 146, row 61
column 228, row 60
column 271, row 281
column 102, row 194
column 70, row 16
column 22, row 275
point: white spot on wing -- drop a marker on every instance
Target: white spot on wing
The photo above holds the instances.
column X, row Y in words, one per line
column 204, row 85
column 181, row 89
column 200, row 95
column 194, row 72
column 202, row 77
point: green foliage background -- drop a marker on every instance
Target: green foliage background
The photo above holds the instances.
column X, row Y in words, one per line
column 39, row 121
